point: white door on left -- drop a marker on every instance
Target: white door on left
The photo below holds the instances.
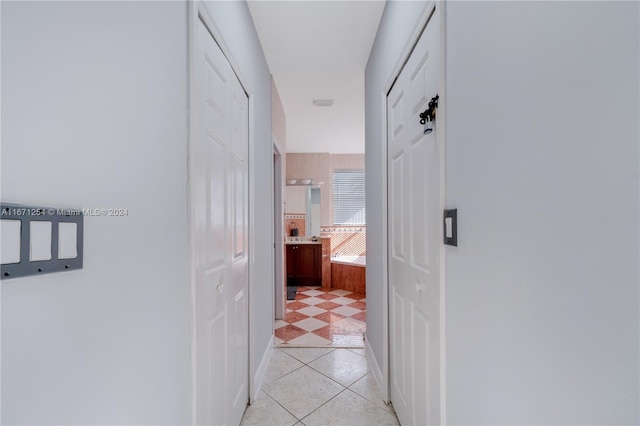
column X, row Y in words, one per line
column 219, row 196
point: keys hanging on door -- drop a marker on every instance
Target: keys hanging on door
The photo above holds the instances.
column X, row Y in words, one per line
column 429, row 115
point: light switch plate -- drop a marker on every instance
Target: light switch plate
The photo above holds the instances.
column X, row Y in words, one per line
column 40, row 240
column 450, row 227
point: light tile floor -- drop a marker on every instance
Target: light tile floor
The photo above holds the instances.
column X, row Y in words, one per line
column 317, row 317
column 319, row 386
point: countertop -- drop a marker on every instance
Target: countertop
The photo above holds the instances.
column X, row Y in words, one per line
column 302, row 242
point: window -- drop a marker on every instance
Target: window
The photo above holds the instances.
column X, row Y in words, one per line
column 348, row 197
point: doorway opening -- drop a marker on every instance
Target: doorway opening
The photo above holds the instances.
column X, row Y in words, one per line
column 324, row 252
column 278, row 231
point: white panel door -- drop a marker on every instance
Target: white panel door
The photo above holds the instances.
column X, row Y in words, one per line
column 219, row 161
column 414, row 237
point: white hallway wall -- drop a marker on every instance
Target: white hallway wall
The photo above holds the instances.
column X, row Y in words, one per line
column 542, row 315
column 94, row 115
column 94, row 112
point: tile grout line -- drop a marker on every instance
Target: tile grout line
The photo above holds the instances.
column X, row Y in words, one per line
column 329, row 400
column 283, row 407
column 306, row 363
column 358, row 393
column 330, row 378
column 342, row 390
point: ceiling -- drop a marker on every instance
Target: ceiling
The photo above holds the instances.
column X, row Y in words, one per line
column 319, row 50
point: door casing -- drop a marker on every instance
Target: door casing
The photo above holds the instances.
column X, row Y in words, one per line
column 278, row 229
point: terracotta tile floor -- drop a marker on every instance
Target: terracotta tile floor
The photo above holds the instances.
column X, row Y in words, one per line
column 323, row 318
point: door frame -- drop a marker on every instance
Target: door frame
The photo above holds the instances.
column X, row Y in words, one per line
column 278, row 227
column 196, row 11
column 384, row 382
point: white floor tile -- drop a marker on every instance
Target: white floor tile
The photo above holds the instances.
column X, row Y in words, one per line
column 347, row 311
column 313, row 292
column 312, row 300
column 280, row 364
column 341, row 365
column 349, row 408
column 342, row 300
column 266, row 411
column 280, row 323
column 358, row 351
column 307, row 355
column 302, row 391
column 309, row 339
column 310, row 324
column 347, row 340
column 340, row 292
column 311, row 311
column 368, row 389
column 350, row 324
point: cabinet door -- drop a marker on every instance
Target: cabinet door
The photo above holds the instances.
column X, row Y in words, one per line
column 309, row 266
column 291, row 260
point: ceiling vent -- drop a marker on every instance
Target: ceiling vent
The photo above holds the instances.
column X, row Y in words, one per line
column 323, row 102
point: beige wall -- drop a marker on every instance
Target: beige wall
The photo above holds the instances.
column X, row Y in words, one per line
column 320, row 167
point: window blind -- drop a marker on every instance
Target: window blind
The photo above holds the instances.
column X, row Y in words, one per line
column 348, row 197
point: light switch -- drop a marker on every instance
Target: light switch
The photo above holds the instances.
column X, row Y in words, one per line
column 451, row 227
column 67, row 240
column 10, row 241
column 40, row 244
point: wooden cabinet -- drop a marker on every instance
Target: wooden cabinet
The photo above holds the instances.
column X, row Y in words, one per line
column 304, row 264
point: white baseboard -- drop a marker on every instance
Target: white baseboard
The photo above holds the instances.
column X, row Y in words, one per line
column 376, row 370
column 262, row 369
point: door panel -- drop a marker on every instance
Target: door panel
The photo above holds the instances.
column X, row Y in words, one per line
column 307, row 260
column 219, row 190
column 399, row 379
column 216, row 207
column 420, row 205
column 414, row 236
column 396, row 205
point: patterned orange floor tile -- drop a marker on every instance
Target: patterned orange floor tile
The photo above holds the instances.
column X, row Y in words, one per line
column 328, row 305
column 295, row 305
column 300, row 296
column 358, row 305
column 294, row 316
column 340, row 330
column 289, row 332
column 329, row 317
column 324, row 332
column 327, row 296
column 362, row 316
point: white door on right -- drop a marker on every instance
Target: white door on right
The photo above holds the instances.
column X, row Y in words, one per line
column 415, row 235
